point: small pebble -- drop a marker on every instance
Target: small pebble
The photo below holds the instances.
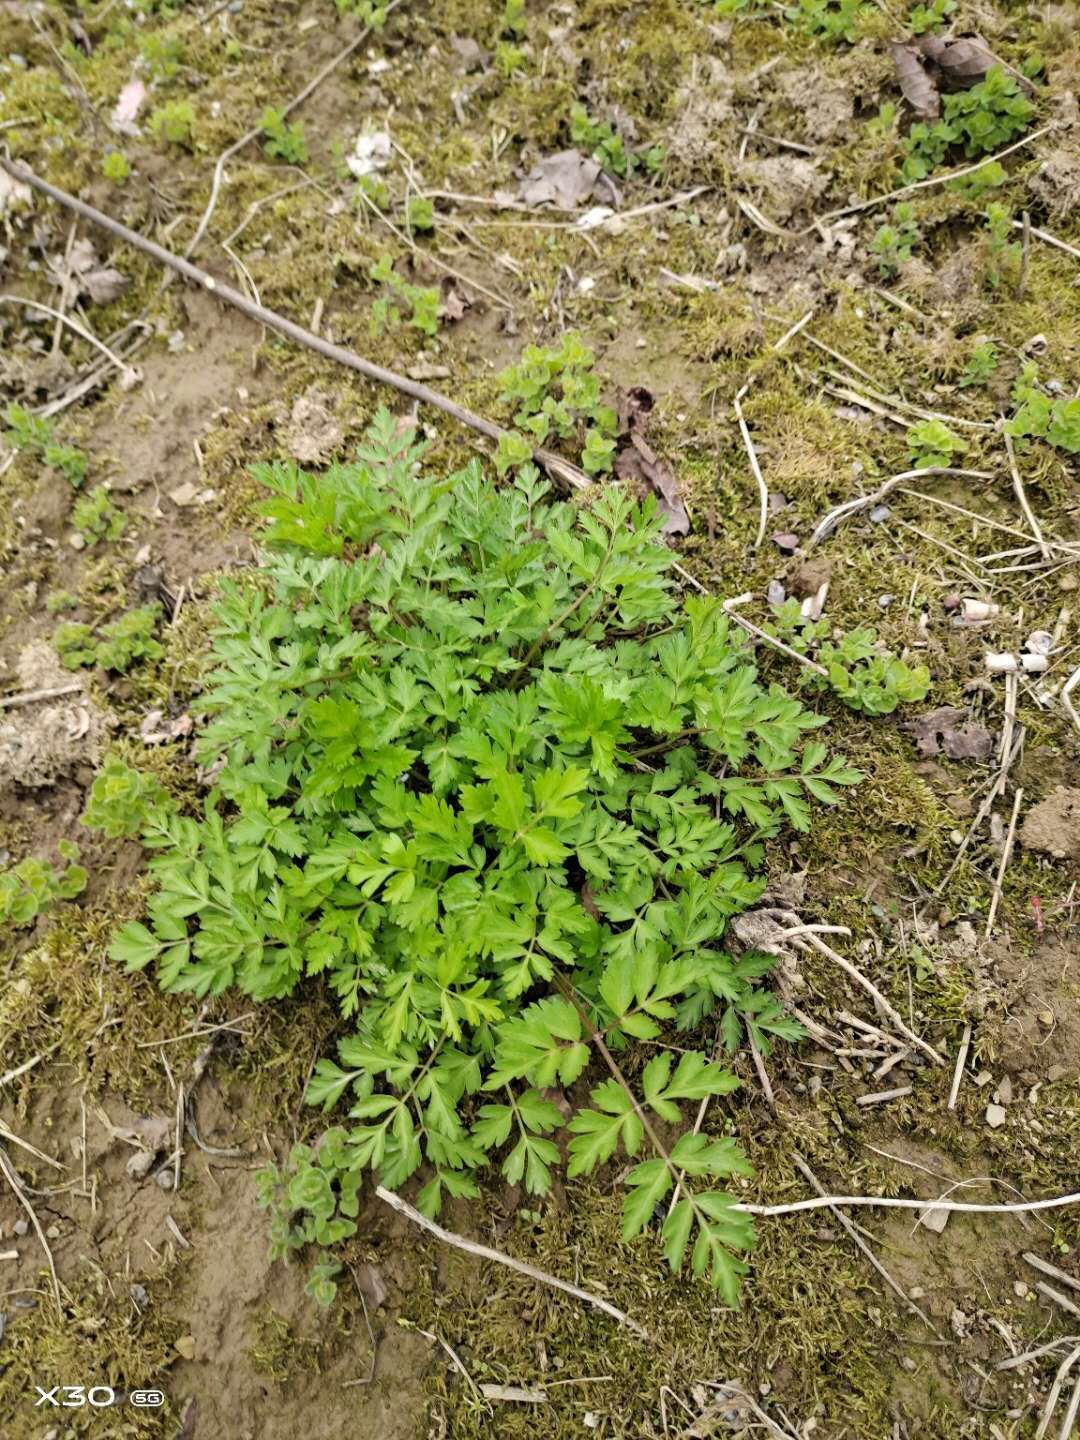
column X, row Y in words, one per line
column 775, row 593
column 884, row 601
column 77, row 541
column 21, row 1226
column 1020, row 1290
column 1005, row 1092
column 907, row 1363
column 139, row 1295
column 164, row 1179
column 995, row 1116
column 880, row 513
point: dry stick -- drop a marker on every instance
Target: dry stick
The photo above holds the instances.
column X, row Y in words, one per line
column 926, row 184
column 1005, row 854
column 246, row 139
column 1018, row 487
column 862, row 502
column 485, row 1252
column 11, row 1176
column 759, row 1066
column 1049, row 1293
column 961, row 1061
column 1070, row 1415
column 794, row 330
column 1055, row 1390
column 984, row 810
column 888, row 1202
column 1048, row 239
column 72, row 325
column 1066, row 691
column 884, row 1007
column 752, row 629
column 10, row 1075
column 1038, row 1263
column 893, row 1285
column 763, row 489
column 554, row 464
column 29, row 697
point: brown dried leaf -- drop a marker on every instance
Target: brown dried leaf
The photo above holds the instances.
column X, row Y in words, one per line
column 916, row 85
column 633, row 407
column 951, row 731
column 371, row 1284
column 104, row 285
column 565, row 180
column 454, row 300
column 963, row 63
column 639, row 462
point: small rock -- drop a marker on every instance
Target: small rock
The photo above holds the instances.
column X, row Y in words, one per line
column 775, row 593
column 77, row 541
column 138, row 1166
column 907, row 1363
column 984, row 1077
column 1045, row 1018
column 935, row 1218
column 1067, row 581
column 139, row 1295
column 1020, row 1290
column 995, row 1116
column 142, row 555
column 52, row 1232
column 164, row 1179
column 884, row 601
column 21, row 1226
column 1005, row 1092
column 185, row 494
column 1057, row 1072
column 786, row 542
column 880, row 513
column 185, row 1347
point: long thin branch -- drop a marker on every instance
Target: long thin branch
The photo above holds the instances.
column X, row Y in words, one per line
column 11, row 1176
column 1021, row 495
column 863, row 502
column 485, row 1252
column 887, row 1202
column 751, row 453
column 554, row 464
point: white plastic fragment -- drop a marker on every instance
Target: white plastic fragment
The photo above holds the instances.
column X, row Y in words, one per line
column 1005, row 664
column 1039, row 642
column 371, row 152
column 813, row 605
column 975, row 610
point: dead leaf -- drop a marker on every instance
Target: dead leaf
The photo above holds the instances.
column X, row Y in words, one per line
column 961, row 60
column 565, row 180
column 952, row 732
column 129, row 103
column 82, row 257
column 469, row 54
column 185, row 494
column 638, row 461
column 916, row 86
column 371, row 1285
column 156, row 730
column 104, row 285
column 633, row 408
column 454, row 300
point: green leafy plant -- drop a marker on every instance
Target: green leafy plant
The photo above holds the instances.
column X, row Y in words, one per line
column 31, row 887
column 829, row 20
column 481, row 775
column 980, row 182
column 312, row 1200
column 121, row 799
column 370, row 13
column 557, row 392
column 1003, row 253
column 979, row 120
column 932, row 443
column 58, row 600
column 513, row 19
column 172, row 122
column 509, row 59
column 893, row 243
column 114, row 647
column 400, row 300
column 861, row 673
column 929, row 17
column 602, row 140
column 34, row 433
column 162, row 53
column 97, row 518
column 115, row 166
column 419, row 213
column 982, row 362
column 1040, row 417
column 283, row 141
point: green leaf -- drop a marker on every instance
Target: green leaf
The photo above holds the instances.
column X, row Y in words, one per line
column 649, row 1183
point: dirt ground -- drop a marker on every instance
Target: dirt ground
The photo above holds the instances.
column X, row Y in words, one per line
column 883, row 1329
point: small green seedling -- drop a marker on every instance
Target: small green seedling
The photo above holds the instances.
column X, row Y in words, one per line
column 416, row 305
column 979, row 120
column 829, row 20
column 96, row 517
column 931, row 443
column 893, row 243
column 929, row 17
column 419, row 213
column 557, row 392
column 283, row 141
column 982, row 363
column 1003, row 253
column 31, row 887
column 173, row 122
column 115, row 167
column 1037, row 416
column 34, row 434
column 114, row 647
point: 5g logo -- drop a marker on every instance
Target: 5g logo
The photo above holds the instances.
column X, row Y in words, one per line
column 99, row 1396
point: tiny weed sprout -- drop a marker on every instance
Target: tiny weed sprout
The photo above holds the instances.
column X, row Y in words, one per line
column 894, row 243
column 172, row 122
column 30, row 887
column 990, row 176
column 283, row 141
column 114, row 647
column 370, row 13
column 58, row 600
column 1003, row 253
column 34, row 434
column 115, row 167
column 981, row 365
column 829, row 20
column 400, row 300
column 931, row 443
column 606, row 145
column 482, row 775
column 557, row 394
column 419, row 213
column 929, row 17
column 1039, row 417
column 97, row 518
column 509, row 59
column 513, row 19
